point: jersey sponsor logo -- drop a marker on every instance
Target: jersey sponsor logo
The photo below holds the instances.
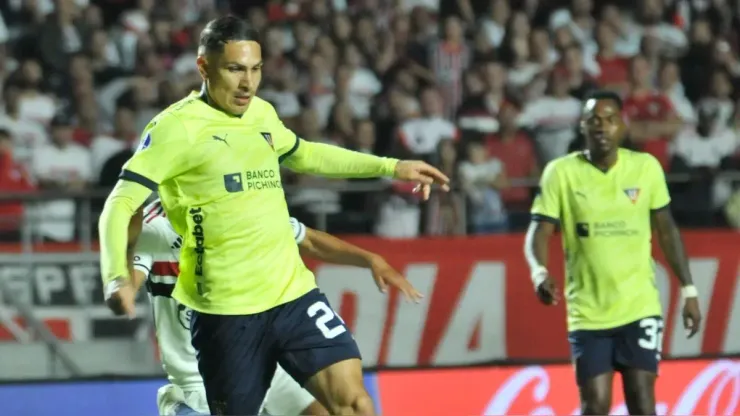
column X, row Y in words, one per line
column 268, row 139
column 222, row 139
column 256, row 180
column 196, row 214
column 145, row 142
column 632, row 194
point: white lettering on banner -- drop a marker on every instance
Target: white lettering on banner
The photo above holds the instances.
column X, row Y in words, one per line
column 718, row 375
column 18, row 283
column 482, row 305
column 711, row 383
column 707, row 268
column 49, row 279
column 53, row 285
column 410, row 319
column 84, row 280
column 732, row 333
column 372, row 306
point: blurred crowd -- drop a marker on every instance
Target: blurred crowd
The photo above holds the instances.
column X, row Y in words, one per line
column 488, row 90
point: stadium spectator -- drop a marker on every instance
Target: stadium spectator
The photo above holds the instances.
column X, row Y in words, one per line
column 14, row 178
column 61, row 165
column 514, row 148
column 551, row 118
column 652, row 119
column 26, row 134
column 420, row 137
column 613, row 68
column 482, row 178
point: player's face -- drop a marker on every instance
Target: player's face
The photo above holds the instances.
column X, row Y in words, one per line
column 233, row 76
column 603, row 126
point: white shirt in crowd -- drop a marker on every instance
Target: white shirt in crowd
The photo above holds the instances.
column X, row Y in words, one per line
column 40, row 108
column 363, row 86
column 699, row 151
column 553, row 122
column 157, row 255
column 487, row 206
column 56, row 219
column 27, row 135
column 101, row 149
column 421, row 136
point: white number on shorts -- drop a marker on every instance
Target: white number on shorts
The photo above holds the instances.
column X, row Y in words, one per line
column 325, row 316
column 654, row 334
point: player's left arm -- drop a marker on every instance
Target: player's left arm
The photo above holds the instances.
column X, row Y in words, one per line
column 335, row 162
column 327, row 248
column 669, row 238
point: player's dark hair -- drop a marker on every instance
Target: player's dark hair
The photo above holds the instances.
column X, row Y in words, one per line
column 604, row 95
column 225, row 29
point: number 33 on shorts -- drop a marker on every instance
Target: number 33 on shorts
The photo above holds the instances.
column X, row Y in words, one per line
column 652, row 337
column 323, row 316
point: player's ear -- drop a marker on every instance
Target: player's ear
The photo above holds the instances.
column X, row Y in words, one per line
column 582, row 127
column 202, row 64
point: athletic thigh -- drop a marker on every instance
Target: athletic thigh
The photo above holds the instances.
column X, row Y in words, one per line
column 235, row 359
column 592, row 352
column 638, row 345
column 310, row 336
column 285, row 396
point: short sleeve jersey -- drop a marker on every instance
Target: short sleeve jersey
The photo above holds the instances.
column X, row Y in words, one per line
column 218, row 178
column 605, row 223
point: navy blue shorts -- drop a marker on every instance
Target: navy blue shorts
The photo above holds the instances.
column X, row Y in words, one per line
column 635, row 345
column 237, row 354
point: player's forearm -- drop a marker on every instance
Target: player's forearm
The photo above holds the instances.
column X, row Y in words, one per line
column 536, row 245
column 336, row 162
column 113, row 227
column 324, row 247
column 671, row 244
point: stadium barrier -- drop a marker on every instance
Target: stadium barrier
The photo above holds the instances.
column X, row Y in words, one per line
column 479, row 306
column 708, row 387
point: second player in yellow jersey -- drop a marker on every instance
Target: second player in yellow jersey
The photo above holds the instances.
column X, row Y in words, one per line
column 607, row 202
column 605, row 224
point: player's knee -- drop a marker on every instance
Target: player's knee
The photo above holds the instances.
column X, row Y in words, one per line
column 595, row 404
column 642, row 403
column 354, row 403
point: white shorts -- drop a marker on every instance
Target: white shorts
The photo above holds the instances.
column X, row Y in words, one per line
column 285, row 396
column 170, row 398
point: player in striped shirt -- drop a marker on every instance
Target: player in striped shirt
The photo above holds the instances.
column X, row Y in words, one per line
column 154, row 254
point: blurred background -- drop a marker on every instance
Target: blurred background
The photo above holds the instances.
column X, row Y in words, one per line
column 487, row 90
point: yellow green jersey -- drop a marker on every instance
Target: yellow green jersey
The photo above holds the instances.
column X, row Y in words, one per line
column 604, row 219
column 218, row 177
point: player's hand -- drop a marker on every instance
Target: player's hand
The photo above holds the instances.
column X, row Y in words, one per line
column 120, row 297
column 385, row 275
column 423, row 173
column 691, row 316
column 548, row 293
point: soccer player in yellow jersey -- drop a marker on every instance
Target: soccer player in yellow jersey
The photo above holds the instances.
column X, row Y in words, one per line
column 607, row 201
column 215, row 159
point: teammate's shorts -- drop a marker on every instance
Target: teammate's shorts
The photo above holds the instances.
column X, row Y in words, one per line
column 285, row 396
column 174, row 401
column 238, row 354
column 635, row 345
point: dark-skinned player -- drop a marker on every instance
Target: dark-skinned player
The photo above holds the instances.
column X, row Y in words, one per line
column 607, row 201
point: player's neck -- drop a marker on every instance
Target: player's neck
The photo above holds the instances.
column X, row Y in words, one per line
column 603, row 162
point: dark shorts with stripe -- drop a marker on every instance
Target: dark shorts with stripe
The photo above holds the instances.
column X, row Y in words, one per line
column 237, row 354
column 634, row 345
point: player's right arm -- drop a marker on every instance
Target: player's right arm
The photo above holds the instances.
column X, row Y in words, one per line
column 325, row 247
column 162, row 155
column 546, row 213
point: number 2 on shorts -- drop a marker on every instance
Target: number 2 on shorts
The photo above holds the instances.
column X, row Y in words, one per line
column 325, row 315
column 653, row 334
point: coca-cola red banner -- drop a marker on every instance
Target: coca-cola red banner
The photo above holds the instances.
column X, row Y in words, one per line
column 700, row 387
column 480, row 304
